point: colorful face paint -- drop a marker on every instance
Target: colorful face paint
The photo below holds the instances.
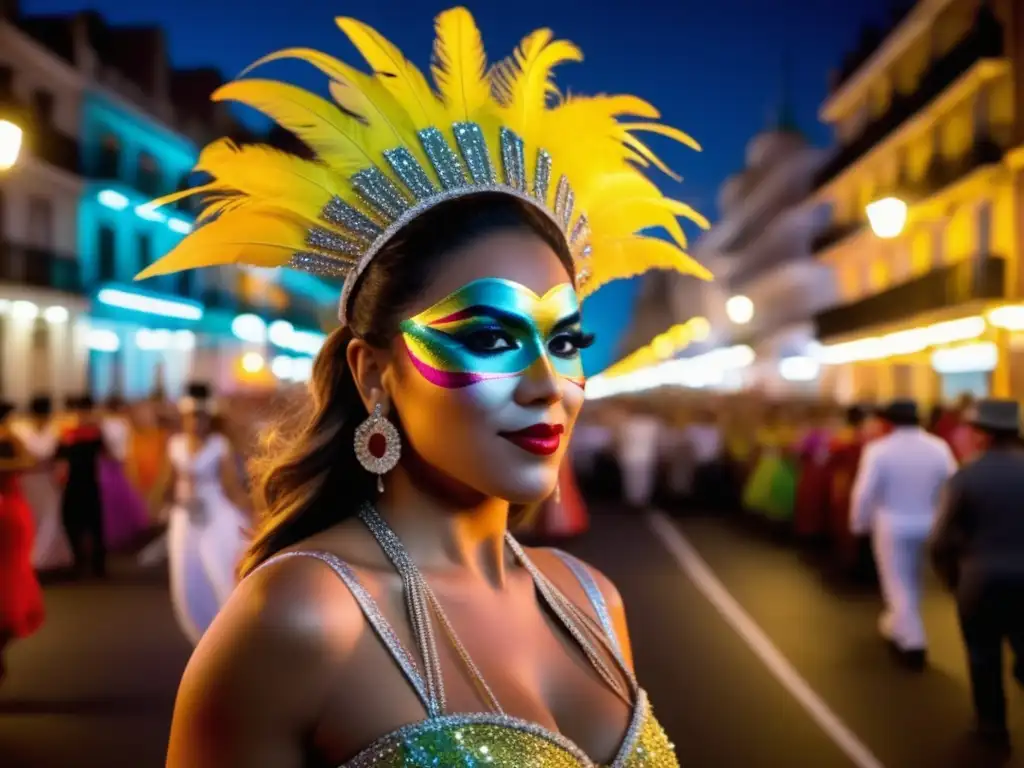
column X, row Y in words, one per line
column 494, row 329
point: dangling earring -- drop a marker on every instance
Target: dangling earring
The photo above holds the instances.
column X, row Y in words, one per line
column 378, row 445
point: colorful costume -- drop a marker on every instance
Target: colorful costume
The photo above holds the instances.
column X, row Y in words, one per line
column 21, row 598
column 391, row 148
column 810, row 520
column 125, row 516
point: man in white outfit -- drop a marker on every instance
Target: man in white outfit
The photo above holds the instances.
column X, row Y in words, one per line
column 638, row 456
column 895, row 497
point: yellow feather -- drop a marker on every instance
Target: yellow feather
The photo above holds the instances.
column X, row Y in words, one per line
column 629, row 257
column 664, row 130
column 356, row 92
column 262, row 236
column 334, row 136
column 522, row 82
column 267, row 173
column 399, row 75
column 460, row 64
column 176, row 196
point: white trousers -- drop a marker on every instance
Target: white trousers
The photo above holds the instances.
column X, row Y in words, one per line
column 639, row 475
column 899, row 555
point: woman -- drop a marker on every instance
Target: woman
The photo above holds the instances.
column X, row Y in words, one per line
column 125, row 517
column 206, row 535
column 39, row 436
column 148, row 450
column 446, row 397
column 21, row 598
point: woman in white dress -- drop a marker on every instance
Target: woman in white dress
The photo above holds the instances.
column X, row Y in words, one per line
column 207, row 532
column 39, row 435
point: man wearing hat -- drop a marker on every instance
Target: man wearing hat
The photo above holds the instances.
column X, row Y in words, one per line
column 894, row 498
column 978, row 549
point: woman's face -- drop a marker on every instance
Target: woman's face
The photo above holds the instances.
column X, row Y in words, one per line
column 195, row 423
column 486, row 378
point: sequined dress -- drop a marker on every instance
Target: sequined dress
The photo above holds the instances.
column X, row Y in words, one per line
column 445, row 740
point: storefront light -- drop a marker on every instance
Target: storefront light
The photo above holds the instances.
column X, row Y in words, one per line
column 970, row 358
column 906, row 342
column 280, row 333
column 5, row 305
column 302, row 369
column 102, row 340
column 799, row 368
column 249, row 328
column 184, row 340
column 1009, row 318
column 740, row 310
column 152, row 305
column 153, row 340
column 283, row 367
column 24, row 310
column 112, row 199
column 55, row 314
column 149, row 213
column 180, row 226
column 708, row 370
column 253, row 362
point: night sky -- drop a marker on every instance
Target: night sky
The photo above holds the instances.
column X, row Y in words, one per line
column 714, row 68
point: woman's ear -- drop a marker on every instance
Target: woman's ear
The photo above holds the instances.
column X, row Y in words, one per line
column 368, row 365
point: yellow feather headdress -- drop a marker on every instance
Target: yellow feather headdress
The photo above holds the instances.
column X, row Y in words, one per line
column 389, row 148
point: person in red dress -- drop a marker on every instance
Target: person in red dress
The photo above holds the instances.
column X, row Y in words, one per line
column 21, row 597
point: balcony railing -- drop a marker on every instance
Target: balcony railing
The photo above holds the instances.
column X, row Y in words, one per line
column 984, row 41
column 981, row 278
column 39, row 268
column 833, row 234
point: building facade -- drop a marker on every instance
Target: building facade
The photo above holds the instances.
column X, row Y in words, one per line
column 759, row 252
column 133, row 130
column 42, row 303
column 931, row 116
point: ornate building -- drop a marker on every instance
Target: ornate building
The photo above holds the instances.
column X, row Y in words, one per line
column 930, row 118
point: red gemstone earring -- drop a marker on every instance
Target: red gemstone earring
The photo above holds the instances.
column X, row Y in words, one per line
column 378, row 446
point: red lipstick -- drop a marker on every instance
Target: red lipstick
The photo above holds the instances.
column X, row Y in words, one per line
column 540, row 439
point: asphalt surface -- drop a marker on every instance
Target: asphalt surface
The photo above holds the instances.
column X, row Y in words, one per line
column 96, row 686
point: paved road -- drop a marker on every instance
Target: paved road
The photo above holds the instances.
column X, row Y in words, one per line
column 96, row 686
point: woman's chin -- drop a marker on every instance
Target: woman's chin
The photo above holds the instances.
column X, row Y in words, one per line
column 533, row 492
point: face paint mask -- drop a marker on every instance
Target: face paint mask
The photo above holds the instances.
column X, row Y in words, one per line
column 496, row 329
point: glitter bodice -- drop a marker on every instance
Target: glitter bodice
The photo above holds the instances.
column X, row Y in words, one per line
column 472, row 741
column 446, row 740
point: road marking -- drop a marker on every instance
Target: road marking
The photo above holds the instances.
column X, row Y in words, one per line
column 700, row 573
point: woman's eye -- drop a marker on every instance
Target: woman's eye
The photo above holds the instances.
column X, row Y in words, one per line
column 563, row 346
column 489, row 341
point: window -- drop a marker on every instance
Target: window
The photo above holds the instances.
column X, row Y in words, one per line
column 6, row 81
column 108, row 165
column 106, row 253
column 985, row 228
column 143, row 250
column 40, row 222
column 147, row 176
column 42, row 107
column 184, row 283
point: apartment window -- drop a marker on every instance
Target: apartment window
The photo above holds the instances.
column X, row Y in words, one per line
column 985, row 228
column 143, row 250
column 147, row 176
column 185, row 283
column 106, row 253
column 40, row 222
column 6, row 81
column 42, row 107
column 108, row 165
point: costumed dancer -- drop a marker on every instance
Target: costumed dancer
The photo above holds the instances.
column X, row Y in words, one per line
column 125, row 515
column 40, row 436
column 637, row 449
column 21, row 598
column 207, row 532
column 771, row 489
column 468, row 230
column 849, row 552
column 81, row 449
column 810, row 519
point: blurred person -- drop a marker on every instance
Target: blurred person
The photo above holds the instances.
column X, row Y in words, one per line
column 977, row 547
column 592, row 437
column 677, row 458
column 79, row 454
column 148, row 449
column 208, row 528
column 21, row 598
column 813, row 451
column 637, row 452
column 39, row 435
column 446, row 398
column 851, row 552
column 771, row 488
column 705, row 444
column 125, row 516
column 894, row 498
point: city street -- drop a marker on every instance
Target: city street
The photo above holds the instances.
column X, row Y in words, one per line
column 727, row 675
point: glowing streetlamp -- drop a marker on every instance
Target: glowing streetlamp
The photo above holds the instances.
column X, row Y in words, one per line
column 887, row 217
column 739, row 310
column 11, row 137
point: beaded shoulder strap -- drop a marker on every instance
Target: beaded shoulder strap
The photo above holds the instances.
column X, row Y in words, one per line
column 594, row 595
column 405, row 660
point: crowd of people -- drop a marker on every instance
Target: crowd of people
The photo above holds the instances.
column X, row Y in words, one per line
column 879, row 491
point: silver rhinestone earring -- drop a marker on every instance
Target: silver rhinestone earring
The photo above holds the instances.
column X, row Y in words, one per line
column 378, row 446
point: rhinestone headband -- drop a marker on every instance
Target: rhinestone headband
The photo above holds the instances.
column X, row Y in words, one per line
column 388, row 208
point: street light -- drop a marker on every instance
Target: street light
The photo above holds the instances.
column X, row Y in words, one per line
column 10, row 143
column 739, row 310
column 887, row 217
